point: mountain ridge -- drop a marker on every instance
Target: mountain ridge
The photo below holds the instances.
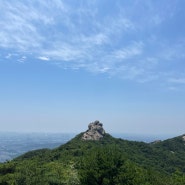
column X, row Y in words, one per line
column 161, row 160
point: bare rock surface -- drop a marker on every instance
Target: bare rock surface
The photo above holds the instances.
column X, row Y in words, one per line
column 95, row 131
column 183, row 137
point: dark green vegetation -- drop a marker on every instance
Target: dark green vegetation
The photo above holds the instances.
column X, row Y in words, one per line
column 109, row 161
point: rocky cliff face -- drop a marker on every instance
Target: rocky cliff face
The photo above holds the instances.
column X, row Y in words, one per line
column 95, row 131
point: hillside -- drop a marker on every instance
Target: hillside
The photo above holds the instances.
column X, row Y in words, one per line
column 95, row 157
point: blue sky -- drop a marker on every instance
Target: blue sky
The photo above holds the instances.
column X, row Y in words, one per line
column 64, row 64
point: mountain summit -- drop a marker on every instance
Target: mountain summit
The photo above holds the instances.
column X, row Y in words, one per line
column 96, row 158
column 95, row 131
column 183, row 137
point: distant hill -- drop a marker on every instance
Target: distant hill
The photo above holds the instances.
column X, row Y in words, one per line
column 95, row 157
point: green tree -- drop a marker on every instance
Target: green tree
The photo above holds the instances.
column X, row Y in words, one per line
column 107, row 166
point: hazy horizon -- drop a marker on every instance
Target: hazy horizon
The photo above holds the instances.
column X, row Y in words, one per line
column 64, row 64
column 123, row 135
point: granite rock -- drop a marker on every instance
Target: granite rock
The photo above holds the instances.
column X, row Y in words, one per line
column 95, row 131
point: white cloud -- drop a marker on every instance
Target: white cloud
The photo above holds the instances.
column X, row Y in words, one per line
column 22, row 59
column 18, row 34
column 65, row 53
column 128, row 52
column 85, row 36
column 44, row 58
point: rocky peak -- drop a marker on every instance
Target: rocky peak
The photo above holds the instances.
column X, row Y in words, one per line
column 156, row 141
column 95, row 131
column 183, row 137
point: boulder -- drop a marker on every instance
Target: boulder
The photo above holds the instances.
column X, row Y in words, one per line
column 95, row 131
column 183, row 137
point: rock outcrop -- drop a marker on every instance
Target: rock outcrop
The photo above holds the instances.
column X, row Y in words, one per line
column 156, row 141
column 95, row 131
column 183, row 137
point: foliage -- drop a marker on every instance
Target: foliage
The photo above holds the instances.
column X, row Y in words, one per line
column 109, row 161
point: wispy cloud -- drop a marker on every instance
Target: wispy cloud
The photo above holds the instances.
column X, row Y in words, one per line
column 128, row 52
column 84, row 35
column 22, row 59
column 177, row 80
column 17, row 30
column 8, row 56
column 44, row 58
